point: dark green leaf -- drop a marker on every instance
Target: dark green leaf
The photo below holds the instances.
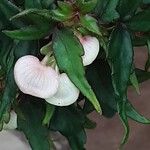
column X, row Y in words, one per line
column 146, row 1
column 9, row 9
column 9, row 94
column 141, row 39
column 42, row 13
column 37, row 134
column 147, row 65
column 28, row 33
column 127, row 7
column 142, row 75
column 47, row 3
column 102, row 86
column 86, row 6
column 110, row 14
column 120, row 56
column 33, row 4
column 106, row 10
column 69, row 122
column 89, row 124
column 140, row 22
column 68, row 52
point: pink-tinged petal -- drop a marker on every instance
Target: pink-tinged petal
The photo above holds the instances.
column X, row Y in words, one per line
column 67, row 92
column 91, row 49
column 34, row 78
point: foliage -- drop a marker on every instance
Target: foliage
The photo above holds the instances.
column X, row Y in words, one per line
column 28, row 25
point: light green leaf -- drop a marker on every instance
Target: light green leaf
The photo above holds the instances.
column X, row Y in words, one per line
column 49, row 113
column 134, row 115
column 134, row 82
column 90, row 24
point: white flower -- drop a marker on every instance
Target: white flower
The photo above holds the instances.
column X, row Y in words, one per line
column 91, row 49
column 35, row 78
column 67, row 92
column 12, row 124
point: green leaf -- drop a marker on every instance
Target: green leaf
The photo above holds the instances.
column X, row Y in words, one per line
column 26, row 48
column 68, row 52
column 134, row 82
column 89, row 124
column 141, row 39
column 106, row 10
column 33, row 11
column 140, row 22
column 134, row 115
column 33, row 4
column 6, row 45
column 69, row 122
column 147, row 65
column 47, row 3
column 142, row 75
column 28, row 33
column 146, row 1
column 64, row 7
column 49, row 113
column 102, row 86
column 37, row 134
column 124, row 119
column 120, row 56
column 63, row 12
column 86, row 6
column 90, row 24
column 110, row 14
column 9, row 9
column 127, row 7
column 9, row 94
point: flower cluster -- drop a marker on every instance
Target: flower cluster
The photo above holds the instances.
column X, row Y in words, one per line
column 44, row 81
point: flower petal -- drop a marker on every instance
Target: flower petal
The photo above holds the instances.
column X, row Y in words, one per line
column 67, row 92
column 34, row 78
column 91, row 49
